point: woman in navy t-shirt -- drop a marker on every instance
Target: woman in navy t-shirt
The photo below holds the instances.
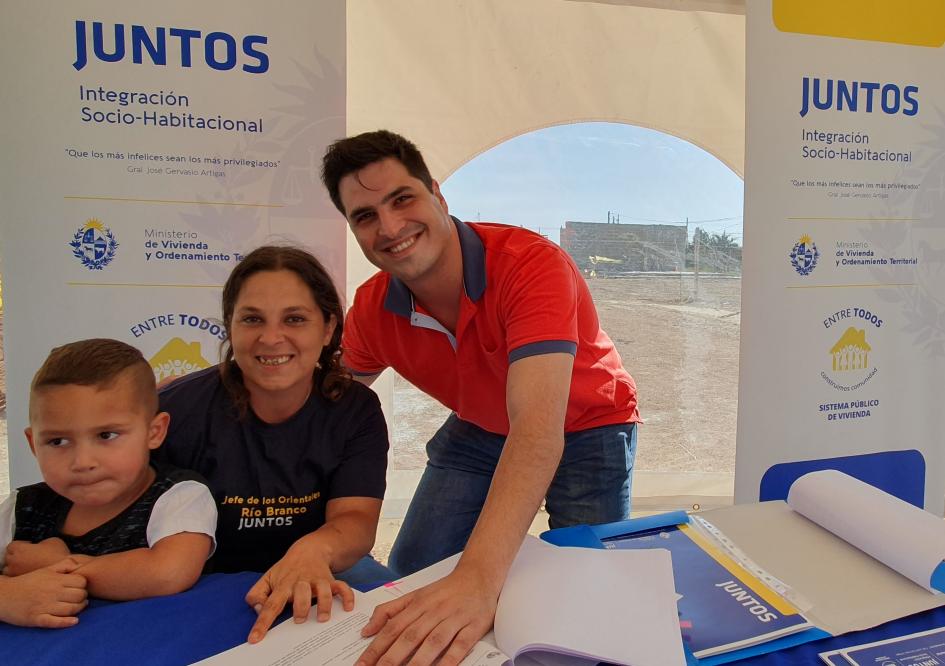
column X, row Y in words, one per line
column 294, row 452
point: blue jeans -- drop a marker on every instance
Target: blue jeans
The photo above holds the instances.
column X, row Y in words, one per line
column 591, row 486
column 366, row 574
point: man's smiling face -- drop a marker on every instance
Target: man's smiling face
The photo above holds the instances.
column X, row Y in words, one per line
column 402, row 227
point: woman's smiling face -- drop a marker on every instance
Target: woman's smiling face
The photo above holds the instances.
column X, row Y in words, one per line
column 278, row 332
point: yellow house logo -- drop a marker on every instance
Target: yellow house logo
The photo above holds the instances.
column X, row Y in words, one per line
column 177, row 358
column 852, row 365
column 851, row 351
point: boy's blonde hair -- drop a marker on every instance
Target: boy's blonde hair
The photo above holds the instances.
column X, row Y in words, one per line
column 98, row 362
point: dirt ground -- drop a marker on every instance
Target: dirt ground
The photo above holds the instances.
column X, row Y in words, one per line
column 681, row 348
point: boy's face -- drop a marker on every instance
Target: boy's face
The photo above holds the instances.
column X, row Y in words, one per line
column 93, row 443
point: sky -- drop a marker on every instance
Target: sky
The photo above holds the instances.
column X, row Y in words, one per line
column 580, row 172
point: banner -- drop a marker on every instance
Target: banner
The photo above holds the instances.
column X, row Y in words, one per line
column 149, row 147
column 843, row 301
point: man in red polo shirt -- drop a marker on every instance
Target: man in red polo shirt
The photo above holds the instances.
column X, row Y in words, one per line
column 498, row 324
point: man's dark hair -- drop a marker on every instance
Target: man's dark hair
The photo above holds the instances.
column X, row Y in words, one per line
column 350, row 155
column 98, row 362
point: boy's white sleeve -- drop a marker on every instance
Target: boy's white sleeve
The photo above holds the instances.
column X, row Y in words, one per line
column 7, row 525
column 186, row 507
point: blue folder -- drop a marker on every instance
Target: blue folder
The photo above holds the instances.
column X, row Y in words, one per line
column 694, row 568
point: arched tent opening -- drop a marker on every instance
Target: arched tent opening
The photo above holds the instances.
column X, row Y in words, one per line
column 617, row 197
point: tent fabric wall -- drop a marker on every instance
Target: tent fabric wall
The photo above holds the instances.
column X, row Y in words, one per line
column 460, row 77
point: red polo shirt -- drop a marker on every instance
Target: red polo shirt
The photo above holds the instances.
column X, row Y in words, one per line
column 523, row 295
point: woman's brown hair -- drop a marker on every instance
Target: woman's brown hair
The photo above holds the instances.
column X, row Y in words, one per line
column 330, row 378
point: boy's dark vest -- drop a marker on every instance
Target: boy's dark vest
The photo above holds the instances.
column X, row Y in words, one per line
column 41, row 513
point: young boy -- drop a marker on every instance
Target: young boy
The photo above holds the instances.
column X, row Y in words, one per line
column 105, row 523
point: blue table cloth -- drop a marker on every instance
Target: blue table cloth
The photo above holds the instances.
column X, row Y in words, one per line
column 212, row 617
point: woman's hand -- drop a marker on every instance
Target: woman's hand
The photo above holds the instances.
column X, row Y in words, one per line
column 303, row 573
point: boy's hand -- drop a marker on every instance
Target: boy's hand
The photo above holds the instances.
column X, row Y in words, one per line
column 50, row 597
column 23, row 556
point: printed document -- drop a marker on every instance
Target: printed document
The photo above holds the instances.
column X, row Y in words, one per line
column 559, row 606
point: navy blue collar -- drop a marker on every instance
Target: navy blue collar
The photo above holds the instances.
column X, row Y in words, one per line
column 399, row 300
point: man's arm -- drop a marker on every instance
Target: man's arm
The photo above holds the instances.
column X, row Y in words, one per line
column 449, row 616
column 307, row 569
column 171, row 565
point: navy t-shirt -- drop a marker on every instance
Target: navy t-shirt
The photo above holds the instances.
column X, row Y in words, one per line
column 271, row 481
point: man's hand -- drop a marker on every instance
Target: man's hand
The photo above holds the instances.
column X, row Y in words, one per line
column 23, row 556
column 50, row 597
column 301, row 574
column 444, row 618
